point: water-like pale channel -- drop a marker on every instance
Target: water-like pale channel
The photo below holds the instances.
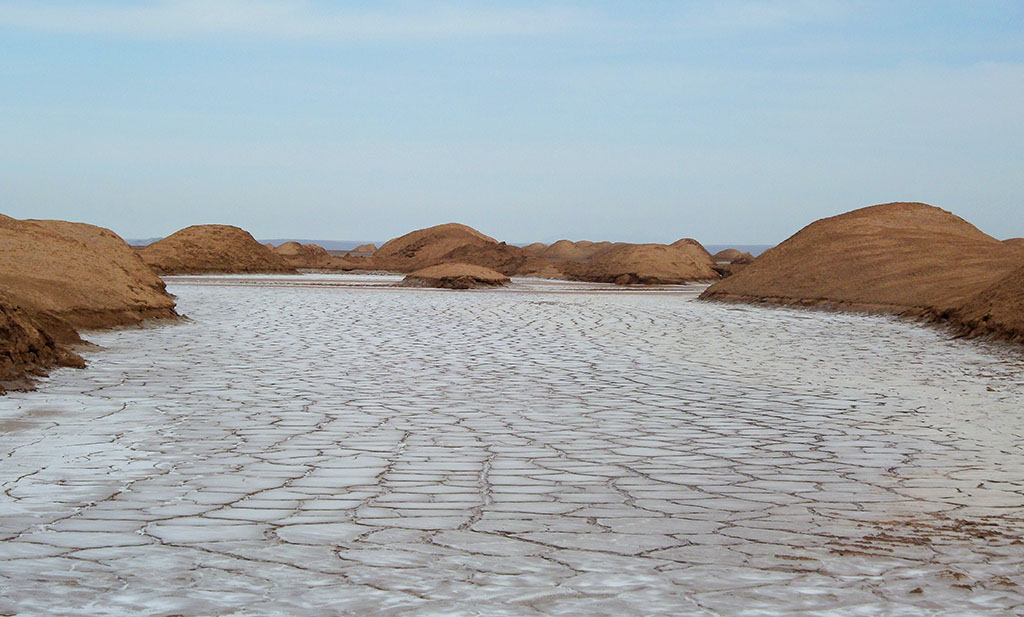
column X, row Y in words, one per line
column 311, row 446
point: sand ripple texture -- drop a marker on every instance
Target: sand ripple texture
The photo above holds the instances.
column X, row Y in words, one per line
column 311, row 446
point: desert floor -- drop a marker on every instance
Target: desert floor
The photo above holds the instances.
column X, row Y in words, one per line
column 317, row 445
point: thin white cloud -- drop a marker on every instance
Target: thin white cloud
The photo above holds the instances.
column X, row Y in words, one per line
column 280, row 19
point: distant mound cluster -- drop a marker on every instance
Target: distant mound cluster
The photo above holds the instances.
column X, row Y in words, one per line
column 904, row 258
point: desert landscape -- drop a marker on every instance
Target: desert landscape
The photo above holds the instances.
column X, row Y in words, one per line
column 453, row 424
column 511, row 309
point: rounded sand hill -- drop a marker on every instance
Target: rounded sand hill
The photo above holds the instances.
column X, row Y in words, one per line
column 364, row 249
column 996, row 311
column 451, row 243
column 212, row 248
column 536, row 248
column 423, row 247
column 567, row 250
column 651, row 264
column 455, row 276
column 897, row 257
column 305, row 255
column 73, row 275
column 730, row 256
column 691, row 244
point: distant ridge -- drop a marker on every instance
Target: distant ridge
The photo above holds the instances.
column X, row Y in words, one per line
column 348, row 245
column 330, row 245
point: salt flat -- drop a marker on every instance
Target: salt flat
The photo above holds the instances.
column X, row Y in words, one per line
column 319, row 445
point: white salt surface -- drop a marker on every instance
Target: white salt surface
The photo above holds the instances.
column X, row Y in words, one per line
column 319, row 445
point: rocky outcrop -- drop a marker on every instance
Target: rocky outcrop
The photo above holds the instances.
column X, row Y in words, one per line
column 213, row 249
column 455, row 276
column 904, row 258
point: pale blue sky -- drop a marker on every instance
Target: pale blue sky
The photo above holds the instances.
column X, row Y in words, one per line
column 731, row 122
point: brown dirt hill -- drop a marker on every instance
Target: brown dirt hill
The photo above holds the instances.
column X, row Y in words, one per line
column 426, row 247
column 71, row 275
column 506, row 259
column 536, row 248
column 305, row 255
column 732, row 256
column 1016, row 244
column 691, row 244
column 567, row 250
column 452, row 243
column 996, row 311
column 212, row 248
column 26, row 349
column 455, row 276
column 905, row 258
column 367, row 249
column 656, row 264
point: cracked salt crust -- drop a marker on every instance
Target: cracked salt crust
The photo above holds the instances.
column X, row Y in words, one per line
column 323, row 445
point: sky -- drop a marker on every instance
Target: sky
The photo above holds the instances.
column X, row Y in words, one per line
column 737, row 121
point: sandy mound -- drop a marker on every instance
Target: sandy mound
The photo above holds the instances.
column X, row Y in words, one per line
column 73, row 274
column 691, row 244
column 898, row 257
column 996, row 311
column 536, row 248
column 306, row 256
column 365, row 249
column 652, row 264
column 730, row 256
column 452, row 243
column 506, row 259
column 427, row 247
column 58, row 276
column 455, row 276
column 212, row 248
column 567, row 250
column 26, row 349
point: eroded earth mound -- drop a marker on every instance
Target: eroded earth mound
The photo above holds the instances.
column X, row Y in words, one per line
column 212, row 248
column 567, row 250
column 657, row 264
column 455, row 276
column 79, row 275
column 905, row 258
column 996, row 311
column 453, row 243
column 732, row 256
column 57, row 277
column 306, row 255
column 26, row 349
